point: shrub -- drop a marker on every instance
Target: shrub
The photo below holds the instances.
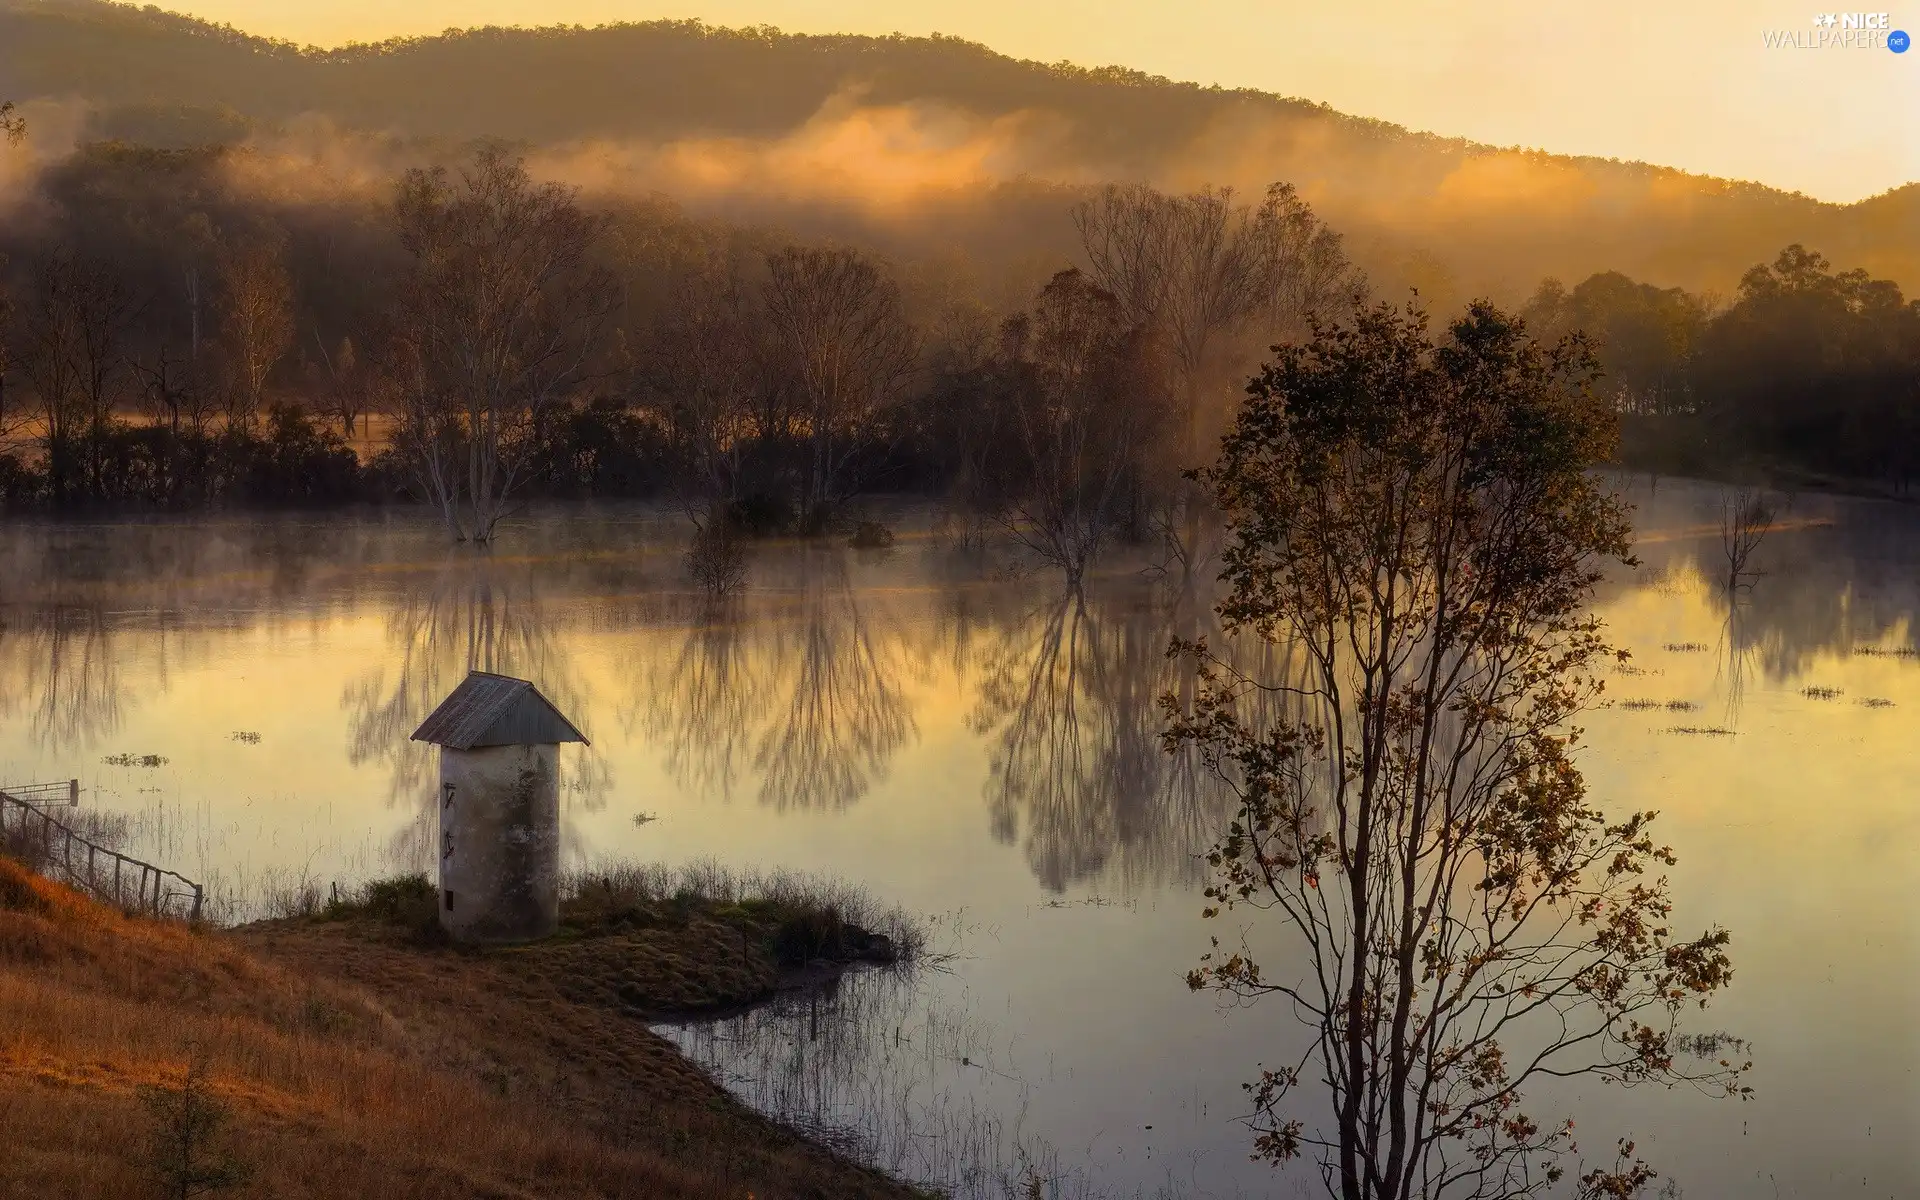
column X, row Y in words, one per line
column 761, row 514
column 871, row 535
column 185, row 1141
column 717, row 559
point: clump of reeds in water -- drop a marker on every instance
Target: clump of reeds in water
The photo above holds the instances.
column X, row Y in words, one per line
column 1876, row 702
column 1701, row 730
column 135, row 760
column 1821, row 693
column 1887, row 651
column 1686, row 647
column 1644, row 705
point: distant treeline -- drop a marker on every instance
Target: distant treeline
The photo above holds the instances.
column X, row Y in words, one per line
column 182, row 328
column 175, row 332
column 975, row 136
column 1806, row 370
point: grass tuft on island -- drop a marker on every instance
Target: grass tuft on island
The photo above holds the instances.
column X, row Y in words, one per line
column 661, row 942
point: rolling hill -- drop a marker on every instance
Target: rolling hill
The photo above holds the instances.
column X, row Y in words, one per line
column 882, row 132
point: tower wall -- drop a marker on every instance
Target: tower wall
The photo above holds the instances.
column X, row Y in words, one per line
column 499, row 843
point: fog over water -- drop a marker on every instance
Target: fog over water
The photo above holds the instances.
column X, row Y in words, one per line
column 961, row 737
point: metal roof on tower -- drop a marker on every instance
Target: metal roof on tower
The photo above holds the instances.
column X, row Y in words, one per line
column 496, row 710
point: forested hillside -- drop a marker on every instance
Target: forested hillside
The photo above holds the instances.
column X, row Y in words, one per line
column 849, row 133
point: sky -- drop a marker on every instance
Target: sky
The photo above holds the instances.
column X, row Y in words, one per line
column 1684, row 83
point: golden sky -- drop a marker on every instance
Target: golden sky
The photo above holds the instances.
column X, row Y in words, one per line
column 1686, row 83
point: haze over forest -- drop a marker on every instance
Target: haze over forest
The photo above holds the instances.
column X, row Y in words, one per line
column 910, row 144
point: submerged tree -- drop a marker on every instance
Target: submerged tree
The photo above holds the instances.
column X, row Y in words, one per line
column 1745, row 519
column 498, row 317
column 1074, row 392
column 704, row 367
column 840, row 334
column 1207, row 274
column 1417, row 522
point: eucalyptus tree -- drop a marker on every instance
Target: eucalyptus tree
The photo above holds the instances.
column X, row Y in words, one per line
column 499, row 317
column 256, row 318
column 1208, row 275
column 705, row 364
column 841, row 335
column 1075, row 396
column 1417, row 522
column 73, row 350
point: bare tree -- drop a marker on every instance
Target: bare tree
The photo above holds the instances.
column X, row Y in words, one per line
column 15, row 417
column 498, row 318
column 1077, row 394
column 1419, row 522
column 13, row 126
column 1745, row 518
column 164, row 389
column 716, row 559
column 1202, row 268
column 1203, row 271
column 73, row 343
column 704, row 366
column 345, row 387
column 1126, row 231
column 256, row 318
column 840, row 332
column 1302, row 266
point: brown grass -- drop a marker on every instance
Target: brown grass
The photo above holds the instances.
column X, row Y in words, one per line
column 354, row 1063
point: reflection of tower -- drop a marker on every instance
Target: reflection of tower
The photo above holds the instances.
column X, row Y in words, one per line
column 499, row 809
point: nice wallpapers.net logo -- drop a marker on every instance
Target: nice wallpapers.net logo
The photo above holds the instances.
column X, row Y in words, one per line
column 1842, row 31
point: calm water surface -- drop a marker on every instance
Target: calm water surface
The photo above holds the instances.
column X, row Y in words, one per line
column 972, row 744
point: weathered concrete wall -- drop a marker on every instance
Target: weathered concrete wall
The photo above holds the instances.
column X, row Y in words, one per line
column 500, row 843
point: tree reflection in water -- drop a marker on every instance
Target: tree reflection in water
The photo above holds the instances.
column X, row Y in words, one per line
column 804, row 690
column 1069, row 694
column 473, row 613
column 59, row 668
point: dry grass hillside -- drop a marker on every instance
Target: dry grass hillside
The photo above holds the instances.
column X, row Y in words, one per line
column 352, row 1061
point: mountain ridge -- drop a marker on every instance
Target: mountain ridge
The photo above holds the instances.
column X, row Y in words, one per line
column 1421, row 208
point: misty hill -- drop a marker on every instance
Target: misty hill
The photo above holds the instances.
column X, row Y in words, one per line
column 882, row 129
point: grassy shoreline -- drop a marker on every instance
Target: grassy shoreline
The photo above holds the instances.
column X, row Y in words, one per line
column 355, row 1055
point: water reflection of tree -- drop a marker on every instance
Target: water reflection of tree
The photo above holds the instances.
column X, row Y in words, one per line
column 1838, row 577
column 60, row 670
column 706, row 698
column 1069, row 696
column 473, row 613
column 804, row 690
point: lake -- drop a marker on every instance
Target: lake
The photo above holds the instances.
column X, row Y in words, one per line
column 959, row 737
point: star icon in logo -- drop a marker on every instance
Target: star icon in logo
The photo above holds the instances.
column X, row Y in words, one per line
column 1825, row 19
